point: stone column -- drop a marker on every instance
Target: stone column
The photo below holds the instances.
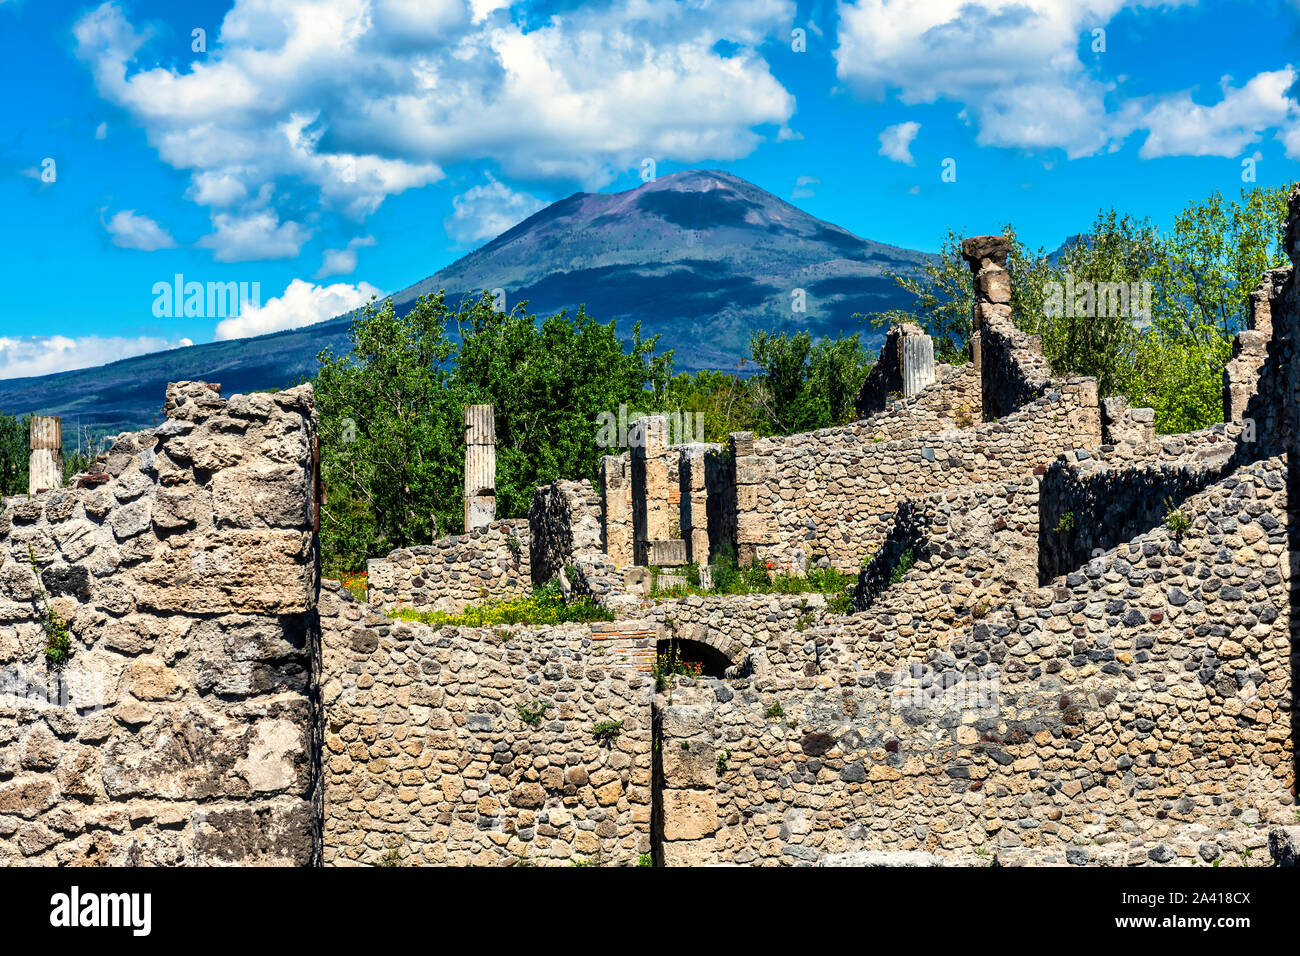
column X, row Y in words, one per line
column 755, row 528
column 917, row 360
column 616, row 513
column 45, row 466
column 689, row 785
column 987, row 258
column 695, row 501
column 480, row 466
column 649, row 440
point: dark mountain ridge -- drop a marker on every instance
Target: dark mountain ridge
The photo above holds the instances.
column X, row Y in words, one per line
column 700, row 257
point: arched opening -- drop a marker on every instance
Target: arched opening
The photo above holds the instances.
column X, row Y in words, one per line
column 694, row 658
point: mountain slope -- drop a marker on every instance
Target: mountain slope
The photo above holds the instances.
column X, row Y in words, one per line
column 701, row 257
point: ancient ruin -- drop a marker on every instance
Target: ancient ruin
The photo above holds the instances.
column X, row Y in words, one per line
column 1070, row 640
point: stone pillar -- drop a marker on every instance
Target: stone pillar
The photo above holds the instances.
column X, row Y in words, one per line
column 45, row 466
column 1250, row 347
column 755, row 528
column 480, row 466
column 649, row 440
column 616, row 513
column 917, row 361
column 689, row 792
column 695, row 501
column 987, row 258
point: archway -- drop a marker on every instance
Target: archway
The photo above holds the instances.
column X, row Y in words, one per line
column 679, row 650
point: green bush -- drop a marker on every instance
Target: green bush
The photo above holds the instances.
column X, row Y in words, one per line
column 545, row 605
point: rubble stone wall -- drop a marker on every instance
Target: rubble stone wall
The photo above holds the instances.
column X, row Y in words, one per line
column 490, row 562
column 179, row 729
column 463, row 746
column 1138, row 710
column 969, row 549
column 811, row 500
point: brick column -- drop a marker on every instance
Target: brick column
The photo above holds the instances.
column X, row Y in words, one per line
column 694, row 501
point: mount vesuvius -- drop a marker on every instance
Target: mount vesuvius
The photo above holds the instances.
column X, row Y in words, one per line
column 700, row 257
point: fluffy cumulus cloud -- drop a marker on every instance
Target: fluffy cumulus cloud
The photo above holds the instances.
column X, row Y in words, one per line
column 1179, row 126
column 341, row 262
column 45, row 354
column 1015, row 68
column 303, row 303
column 896, row 142
column 338, row 104
column 130, row 230
column 257, row 234
column 486, row 211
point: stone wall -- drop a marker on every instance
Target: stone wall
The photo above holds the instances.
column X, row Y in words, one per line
column 1141, row 706
column 429, row 758
column 811, row 500
column 1090, row 506
column 179, row 729
column 490, row 562
column 972, row 548
column 765, row 630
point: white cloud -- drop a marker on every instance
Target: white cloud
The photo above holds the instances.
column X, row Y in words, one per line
column 1015, row 67
column 896, row 142
column 1179, row 126
column 101, row 131
column 338, row 104
column 303, row 303
column 981, row 54
column 340, row 262
column 486, row 211
column 257, row 235
column 130, row 230
column 45, row 354
column 804, row 187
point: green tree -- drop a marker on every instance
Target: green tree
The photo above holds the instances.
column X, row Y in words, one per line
column 550, row 384
column 391, row 431
column 726, row 401
column 392, row 414
column 1095, row 301
column 803, row 386
column 14, row 454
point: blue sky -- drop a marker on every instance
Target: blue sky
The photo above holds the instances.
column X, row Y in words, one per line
column 326, row 149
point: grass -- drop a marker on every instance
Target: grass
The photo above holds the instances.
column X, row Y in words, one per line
column 545, row 605
column 58, row 639
column 1176, row 519
column 758, row 577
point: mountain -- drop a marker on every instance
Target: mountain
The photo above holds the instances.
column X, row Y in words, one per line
column 701, row 257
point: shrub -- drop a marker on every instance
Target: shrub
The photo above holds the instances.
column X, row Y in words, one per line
column 905, row 562
column 607, row 730
column 58, row 641
column 532, row 714
column 545, row 605
column 1176, row 519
